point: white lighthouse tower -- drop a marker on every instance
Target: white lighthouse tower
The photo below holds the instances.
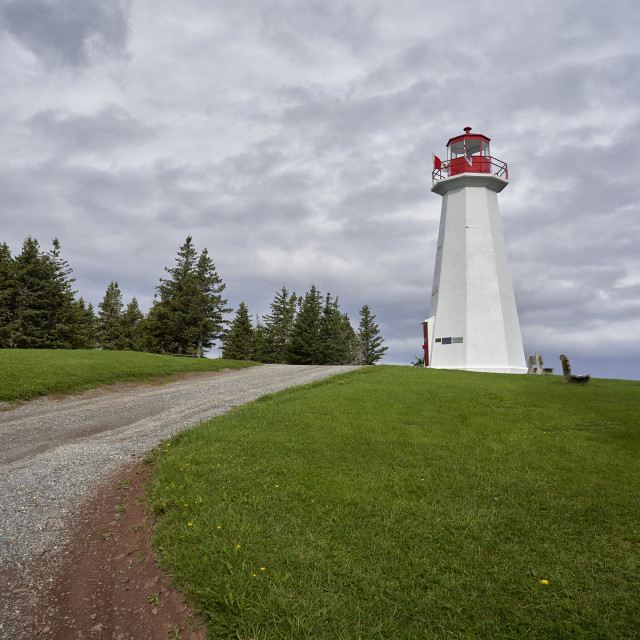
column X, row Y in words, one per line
column 474, row 322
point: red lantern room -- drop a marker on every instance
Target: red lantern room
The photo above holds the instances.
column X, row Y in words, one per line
column 468, row 153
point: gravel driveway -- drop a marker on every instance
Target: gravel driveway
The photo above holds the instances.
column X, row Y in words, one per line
column 55, row 452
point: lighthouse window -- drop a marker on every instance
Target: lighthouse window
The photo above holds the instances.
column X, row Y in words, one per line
column 485, row 148
column 472, row 147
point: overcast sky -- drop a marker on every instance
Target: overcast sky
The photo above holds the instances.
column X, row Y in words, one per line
column 293, row 139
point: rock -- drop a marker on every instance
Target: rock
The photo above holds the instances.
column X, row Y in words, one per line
column 98, row 628
column 39, row 550
column 154, row 611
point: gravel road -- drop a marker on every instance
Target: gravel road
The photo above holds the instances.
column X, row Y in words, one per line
column 55, row 452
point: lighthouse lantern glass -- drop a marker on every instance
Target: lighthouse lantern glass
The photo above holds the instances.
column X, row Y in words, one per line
column 472, row 147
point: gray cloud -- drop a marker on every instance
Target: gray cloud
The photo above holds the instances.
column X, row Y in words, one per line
column 68, row 32
column 111, row 128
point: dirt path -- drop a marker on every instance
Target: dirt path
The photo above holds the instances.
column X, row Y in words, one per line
column 59, row 465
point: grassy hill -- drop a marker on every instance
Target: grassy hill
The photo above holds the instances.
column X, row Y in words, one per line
column 28, row 373
column 397, row 502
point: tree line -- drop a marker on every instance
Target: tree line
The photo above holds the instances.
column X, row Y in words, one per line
column 39, row 310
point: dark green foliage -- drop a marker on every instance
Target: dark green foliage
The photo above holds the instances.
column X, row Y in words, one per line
column 239, row 341
column 38, row 310
column 132, row 327
column 304, row 346
column 7, row 295
column 370, row 339
column 33, row 318
column 37, row 307
column 85, row 335
column 279, row 326
column 309, row 330
column 110, row 325
column 61, row 300
column 31, row 312
column 187, row 315
column 259, row 341
column 335, row 343
column 211, row 322
column 352, row 342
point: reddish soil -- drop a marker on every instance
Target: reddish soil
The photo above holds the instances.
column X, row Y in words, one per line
column 109, row 585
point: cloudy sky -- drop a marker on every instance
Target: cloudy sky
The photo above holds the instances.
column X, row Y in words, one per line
column 293, row 139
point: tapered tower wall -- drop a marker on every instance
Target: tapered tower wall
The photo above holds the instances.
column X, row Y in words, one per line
column 474, row 324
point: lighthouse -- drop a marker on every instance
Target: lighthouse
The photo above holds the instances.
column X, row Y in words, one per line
column 473, row 323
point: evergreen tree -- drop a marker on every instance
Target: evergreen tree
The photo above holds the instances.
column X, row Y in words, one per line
column 7, row 296
column 212, row 325
column 370, row 339
column 259, row 341
column 32, row 318
column 354, row 352
column 84, row 323
column 187, row 313
column 61, row 298
column 172, row 311
column 239, row 343
column 304, row 345
column 333, row 347
column 278, row 326
column 132, row 327
column 110, row 316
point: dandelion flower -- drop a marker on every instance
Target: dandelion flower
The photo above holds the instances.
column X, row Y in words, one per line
column 219, row 527
column 238, row 547
column 185, row 504
column 544, row 581
column 191, row 524
column 262, row 568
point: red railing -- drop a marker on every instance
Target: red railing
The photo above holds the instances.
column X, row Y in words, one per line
column 479, row 164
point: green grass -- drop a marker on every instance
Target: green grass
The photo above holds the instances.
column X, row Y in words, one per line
column 397, row 502
column 28, row 373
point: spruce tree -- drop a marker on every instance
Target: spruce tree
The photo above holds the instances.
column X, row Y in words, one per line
column 278, row 326
column 354, row 354
column 110, row 325
column 61, row 298
column 7, row 296
column 187, row 315
column 304, row 346
column 85, row 334
column 370, row 339
column 259, row 341
column 32, row 319
column 239, row 341
column 132, row 327
column 212, row 324
column 333, row 347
